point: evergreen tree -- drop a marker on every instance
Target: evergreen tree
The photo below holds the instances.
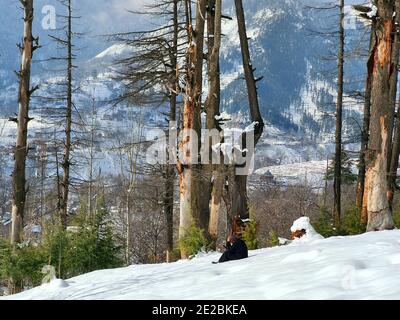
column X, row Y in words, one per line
column 250, row 235
column 94, row 246
column 348, row 177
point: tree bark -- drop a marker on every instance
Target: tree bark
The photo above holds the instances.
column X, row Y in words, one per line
column 239, row 197
column 67, row 148
column 214, row 79
column 365, row 132
column 249, row 72
column 170, row 170
column 21, row 148
column 201, row 176
column 90, row 215
column 394, row 150
column 338, row 132
column 212, row 109
column 190, row 173
column 375, row 191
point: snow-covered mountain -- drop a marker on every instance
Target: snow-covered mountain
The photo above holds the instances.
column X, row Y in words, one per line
column 297, row 94
column 299, row 86
column 354, row 267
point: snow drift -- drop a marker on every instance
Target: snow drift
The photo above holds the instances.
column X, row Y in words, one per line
column 304, row 223
column 366, row 266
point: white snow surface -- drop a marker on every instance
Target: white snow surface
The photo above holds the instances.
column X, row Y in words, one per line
column 115, row 51
column 373, row 12
column 308, row 172
column 304, row 223
column 366, row 266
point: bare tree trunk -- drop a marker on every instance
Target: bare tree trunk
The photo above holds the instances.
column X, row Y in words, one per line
column 42, row 159
column 214, row 79
column 21, row 148
column 170, row 170
column 365, row 132
column 91, row 161
column 230, row 196
column 133, row 159
column 190, row 174
column 375, row 193
column 67, row 148
column 240, row 201
column 394, row 149
column 58, row 178
column 249, row 72
column 212, row 107
column 128, row 226
column 395, row 159
column 201, row 176
column 240, row 204
column 338, row 134
column 169, row 209
column 216, row 205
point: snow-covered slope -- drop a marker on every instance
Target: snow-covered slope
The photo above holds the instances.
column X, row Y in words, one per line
column 309, row 173
column 355, row 267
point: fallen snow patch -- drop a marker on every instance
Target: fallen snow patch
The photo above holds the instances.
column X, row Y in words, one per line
column 56, row 284
column 304, row 223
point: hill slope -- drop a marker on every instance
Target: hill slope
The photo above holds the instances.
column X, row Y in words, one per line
column 354, row 267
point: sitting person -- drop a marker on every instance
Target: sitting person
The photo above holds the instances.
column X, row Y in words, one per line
column 236, row 249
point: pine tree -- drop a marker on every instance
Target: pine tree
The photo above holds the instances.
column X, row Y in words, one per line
column 94, row 246
column 348, row 177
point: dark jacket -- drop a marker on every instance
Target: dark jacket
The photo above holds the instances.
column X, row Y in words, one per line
column 235, row 252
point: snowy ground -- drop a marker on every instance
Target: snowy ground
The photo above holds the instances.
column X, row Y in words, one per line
column 357, row 267
column 309, row 172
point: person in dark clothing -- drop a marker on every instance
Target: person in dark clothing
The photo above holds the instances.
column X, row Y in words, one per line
column 236, row 249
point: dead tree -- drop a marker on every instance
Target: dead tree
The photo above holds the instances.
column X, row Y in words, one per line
column 29, row 45
column 239, row 202
column 188, row 168
column 156, row 59
column 65, row 184
column 365, row 132
column 375, row 200
column 170, row 170
column 395, row 147
column 339, row 113
column 62, row 92
column 214, row 16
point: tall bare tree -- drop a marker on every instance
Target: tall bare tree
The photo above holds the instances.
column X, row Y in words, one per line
column 395, row 149
column 190, row 173
column 375, row 200
column 156, row 59
column 59, row 109
column 365, row 130
column 170, row 170
column 29, row 45
column 339, row 113
column 214, row 24
column 66, row 165
column 239, row 203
